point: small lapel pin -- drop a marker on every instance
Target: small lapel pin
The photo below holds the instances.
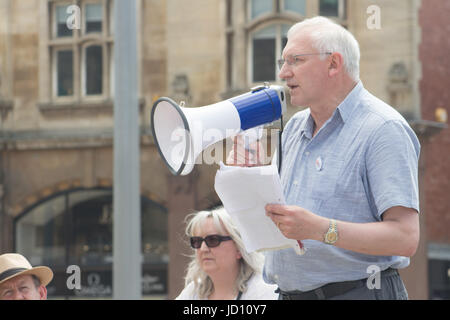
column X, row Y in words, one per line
column 319, row 164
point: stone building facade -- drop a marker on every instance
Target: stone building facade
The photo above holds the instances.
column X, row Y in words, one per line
column 56, row 107
column 435, row 106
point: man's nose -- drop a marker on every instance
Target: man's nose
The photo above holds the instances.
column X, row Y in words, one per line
column 18, row 295
column 285, row 72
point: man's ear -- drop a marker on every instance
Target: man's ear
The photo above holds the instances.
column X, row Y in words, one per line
column 42, row 292
column 336, row 64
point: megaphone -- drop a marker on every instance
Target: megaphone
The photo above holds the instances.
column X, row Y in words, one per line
column 181, row 133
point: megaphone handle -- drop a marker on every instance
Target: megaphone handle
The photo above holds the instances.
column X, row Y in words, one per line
column 251, row 135
column 280, row 147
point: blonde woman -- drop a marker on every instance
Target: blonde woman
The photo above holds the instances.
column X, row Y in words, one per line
column 221, row 269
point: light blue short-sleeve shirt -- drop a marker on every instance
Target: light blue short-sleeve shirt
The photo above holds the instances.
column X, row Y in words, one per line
column 363, row 161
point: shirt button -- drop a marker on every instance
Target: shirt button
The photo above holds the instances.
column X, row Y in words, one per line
column 295, row 182
column 307, row 153
column 275, row 277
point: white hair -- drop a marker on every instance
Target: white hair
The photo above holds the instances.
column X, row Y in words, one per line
column 249, row 263
column 328, row 36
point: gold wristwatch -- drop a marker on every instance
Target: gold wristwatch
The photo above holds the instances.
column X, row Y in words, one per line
column 332, row 234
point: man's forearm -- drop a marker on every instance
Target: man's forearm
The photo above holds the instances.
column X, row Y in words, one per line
column 390, row 237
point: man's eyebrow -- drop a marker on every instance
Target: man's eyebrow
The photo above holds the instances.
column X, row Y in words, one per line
column 21, row 282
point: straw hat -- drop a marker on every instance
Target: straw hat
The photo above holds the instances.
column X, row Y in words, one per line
column 14, row 264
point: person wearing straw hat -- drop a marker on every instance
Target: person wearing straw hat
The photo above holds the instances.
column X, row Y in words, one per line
column 20, row 281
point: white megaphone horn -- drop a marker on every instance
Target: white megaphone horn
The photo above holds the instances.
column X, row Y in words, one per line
column 179, row 132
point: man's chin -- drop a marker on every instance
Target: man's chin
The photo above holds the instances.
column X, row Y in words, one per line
column 297, row 102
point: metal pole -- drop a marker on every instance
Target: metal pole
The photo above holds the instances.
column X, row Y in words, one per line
column 127, row 268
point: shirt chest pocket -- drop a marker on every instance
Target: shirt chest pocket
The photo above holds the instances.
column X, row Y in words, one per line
column 324, row 177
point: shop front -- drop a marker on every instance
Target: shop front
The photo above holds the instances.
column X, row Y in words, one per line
column 71, row 232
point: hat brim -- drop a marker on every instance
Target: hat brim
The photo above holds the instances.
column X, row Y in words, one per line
column 44, row 274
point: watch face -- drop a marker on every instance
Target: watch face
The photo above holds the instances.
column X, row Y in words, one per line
column 331, row 237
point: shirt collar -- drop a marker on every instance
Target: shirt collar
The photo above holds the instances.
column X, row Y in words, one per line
column 347, row 106
column 306, row 127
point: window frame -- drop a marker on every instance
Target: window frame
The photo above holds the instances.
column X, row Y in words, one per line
column 105, row 64
column 53, row 19
column 84, row 20
column 342, row 12
column 282, row 5
column 277, row 17
column 54, row 72
column 261, row 16
column 78, row 42
column 277, row 9
column 278, row 50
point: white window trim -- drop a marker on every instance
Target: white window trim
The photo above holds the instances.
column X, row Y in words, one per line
column 112, row 73
column 111, row 23
column 341, row 10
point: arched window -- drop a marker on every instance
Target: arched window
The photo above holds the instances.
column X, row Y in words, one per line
column 269, row 21
column 266, row 47
column 75, row 228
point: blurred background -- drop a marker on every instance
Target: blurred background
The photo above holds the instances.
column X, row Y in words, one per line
column 56, row 121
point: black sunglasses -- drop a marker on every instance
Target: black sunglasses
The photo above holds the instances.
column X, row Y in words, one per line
column 211, row 241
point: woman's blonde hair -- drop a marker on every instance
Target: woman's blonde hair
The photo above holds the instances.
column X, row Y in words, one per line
column 249, row 263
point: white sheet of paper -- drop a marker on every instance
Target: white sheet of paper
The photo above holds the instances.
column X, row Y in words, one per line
column 244, row 192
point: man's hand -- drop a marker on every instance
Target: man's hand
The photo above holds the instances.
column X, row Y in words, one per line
column 297, row 223
column 251, row 157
